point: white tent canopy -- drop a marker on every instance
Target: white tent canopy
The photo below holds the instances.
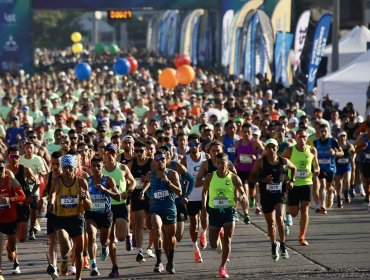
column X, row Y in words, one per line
column 349, row 84
column 351, row 46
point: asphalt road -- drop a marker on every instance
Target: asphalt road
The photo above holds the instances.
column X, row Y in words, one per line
column 339, row 247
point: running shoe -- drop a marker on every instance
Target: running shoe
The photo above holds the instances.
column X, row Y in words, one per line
column 170, row 268
column 247, row 219
column 128, row 243
column 158, row 268
column 317, row 210
column 257, row 211
column 52, row 271
column 303, row 241
column 275, row 251
column 104, row 253
column 31, row 234
column 1, row 276
column 352, row 191
column 114, row 273
column 150, row 253
column 86, row 262
column 287, row 231
column 283, row 251
column 37, row 227
column 64, row 267
column 222, row 272
column 72, row 270
column 252, row 202
column 203, row 241
column 16, row 269
column 347, row 199
column 10, row 255
column 140, row 257
column 288, row 220
column 197, row 256
column 94, row 272
column 323, row 210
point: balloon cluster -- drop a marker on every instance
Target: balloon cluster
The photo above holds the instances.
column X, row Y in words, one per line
column 113, row 49
column 122, row 66
column 169, row 78
column 76, row 38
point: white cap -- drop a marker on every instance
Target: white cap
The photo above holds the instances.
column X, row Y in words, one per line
column 116, row 129
column 256, row 132
column 269, row 91
column 259, row 102
column 293, row 120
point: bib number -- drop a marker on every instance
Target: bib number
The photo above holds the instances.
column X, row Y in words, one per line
column 343, row 160
column 324, row 161
column 5, row 206
column 274, row 187
column 69, row 201
column 245, row 158
column 139, row 183
column 161, row 194
column 231, row 150
column 302, row 174
column 367, row 156
column 221, row 202
column 98, row 206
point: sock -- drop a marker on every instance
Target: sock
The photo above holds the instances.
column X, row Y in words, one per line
column 140, row 250
column 93, row 263
column 158, row 253
column 171, row 252
column 195, row 245
column 302, row 234
column 84, row 254
column 203, row 232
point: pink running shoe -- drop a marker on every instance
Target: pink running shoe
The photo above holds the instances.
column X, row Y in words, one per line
column 222, row 273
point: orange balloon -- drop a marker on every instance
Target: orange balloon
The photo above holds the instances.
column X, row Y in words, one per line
column 168, row 79
column 185, row 74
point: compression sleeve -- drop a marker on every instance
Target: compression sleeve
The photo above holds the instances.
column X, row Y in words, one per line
column 190, row 178
column 20, row 196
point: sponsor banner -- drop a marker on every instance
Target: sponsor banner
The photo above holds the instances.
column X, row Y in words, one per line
column 283, row 44
column 300, row 37
column 318, row 46
column 15, row 39
column 226, row 31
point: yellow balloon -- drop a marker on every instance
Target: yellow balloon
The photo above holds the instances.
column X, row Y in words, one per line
column 76, row 37
column 77, row 48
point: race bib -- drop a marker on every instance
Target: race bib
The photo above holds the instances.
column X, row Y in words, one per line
column 367, row 156
column 343, row 160
column 69, row 201
column 139, row 183
column 4, row 206
column 161, row 194
column 274, row 187
column 324, row 161
column 221, row 202
column 98, row 205
column 302, row 174
column 245, row 158
column 231, row 150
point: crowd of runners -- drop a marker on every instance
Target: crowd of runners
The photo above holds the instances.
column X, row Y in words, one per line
column 114, row 155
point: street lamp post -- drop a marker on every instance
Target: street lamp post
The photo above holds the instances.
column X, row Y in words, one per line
column 335, row 36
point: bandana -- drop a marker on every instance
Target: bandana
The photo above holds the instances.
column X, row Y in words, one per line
column 69, row 160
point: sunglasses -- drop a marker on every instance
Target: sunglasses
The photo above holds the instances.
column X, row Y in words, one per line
column 14, row 156
column 83, row 150
column 160, row 158
column 73, row 138
column 139, row 151
column 65, row 143
column 193, row 144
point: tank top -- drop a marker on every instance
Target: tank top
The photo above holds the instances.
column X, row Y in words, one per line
column 123, row 160
column 193, row 168
column 326, row 161
column 163, row 198
column 211, row 166
column 303, row 163
column 118, row 175
column 244, row 153
column 22, row 181
column 365, row 154
column 8, row 212
column 221, row 192
column 278, row 172
column 68, row 201
column 344, row 161
column 229, row 147
column 100, row 201
column 140, row 170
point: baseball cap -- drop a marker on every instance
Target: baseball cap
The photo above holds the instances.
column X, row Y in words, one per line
column 15, row 118
column 128, row 138
column 111, row 146
column 69, row 160
column 259, row 102
column 102, row 128
column 47, row 121
column 117, row 129
column 293, row 120
column 272, row 141
column 256, row 132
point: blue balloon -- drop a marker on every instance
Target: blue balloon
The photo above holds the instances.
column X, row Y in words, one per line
column 121, row 66
column 82, row 71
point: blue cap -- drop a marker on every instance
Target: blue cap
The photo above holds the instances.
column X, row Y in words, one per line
column 111, row 146
column 69, row 160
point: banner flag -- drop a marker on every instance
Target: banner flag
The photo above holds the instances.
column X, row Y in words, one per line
column 283, row 44
column 300, row 37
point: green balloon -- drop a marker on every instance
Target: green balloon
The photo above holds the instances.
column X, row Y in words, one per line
column 113, row 49
column 99, row 48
